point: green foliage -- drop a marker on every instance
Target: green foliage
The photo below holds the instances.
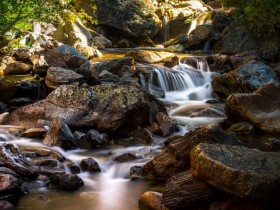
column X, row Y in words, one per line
column 16, row 14
column 261, row 16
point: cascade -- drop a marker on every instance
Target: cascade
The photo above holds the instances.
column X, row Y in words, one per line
column 204, row 18
column 165, row 27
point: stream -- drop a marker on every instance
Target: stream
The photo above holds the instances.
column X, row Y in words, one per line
column 185, row 88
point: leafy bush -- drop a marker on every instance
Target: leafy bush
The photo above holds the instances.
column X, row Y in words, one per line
column 261, row 16
column 15, row 14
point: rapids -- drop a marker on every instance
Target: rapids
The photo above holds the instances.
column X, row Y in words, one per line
column 185, row 88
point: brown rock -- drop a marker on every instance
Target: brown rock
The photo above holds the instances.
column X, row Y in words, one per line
column 151, row 201
column 247, row 173
column 17, row 68
column 175, row 157
column 185, row 191
column 145, row 56
column 260, row 108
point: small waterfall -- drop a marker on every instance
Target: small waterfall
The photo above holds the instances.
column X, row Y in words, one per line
column 165, row 27
column 204, row 18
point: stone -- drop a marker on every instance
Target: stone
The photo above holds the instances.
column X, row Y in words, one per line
column 6, row 205
column 8, row 183
column 136, row 172
column 113, row 66
column 18, row 68
column 47, row 162
column 245, row 79
column 260, row 108
column 72, row 166
column 198, row 36
column 145, row 56
column 17, row 102
column 89, row 164
column 58, row 76
column 151, row 201
column 4, row 170
column 247, row 173
column 33, row 133
column 72, row 30
column 119, row 103
column 60, row 135
column 101, row 42
column 82, row 141
column 96, row 139
column 241, row 127
column 175, row 157
column 166, row 124
column 184, row 191
column 65, row 56
column 70, row 182
column 125, row 157
column 51, row 171
column 132, row 17
column 3, row 107
column 11, row 156
column 45, row 152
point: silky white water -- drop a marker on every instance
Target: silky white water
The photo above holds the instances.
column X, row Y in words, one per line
column 185, row 89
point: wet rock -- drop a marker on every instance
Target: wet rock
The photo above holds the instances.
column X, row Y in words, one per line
column 7, row 89
column 260, row 108
column 184, row 191
column 175, row 157
column 45, row 152
column 247, row 173
column 219, row 63
column 96, row 139
column 239, row 204
column 58, row 76
column 245, row 79
column 5, row 205
column 172, row 62
column 47, row 162
column 11, row 156
column 136, row 172
column 181, row 39
column 33, row 133
column 145, row 56
column 60, row 135
column 125, row 157
column 241, row 127
column 208, row 112
column 106, row 75
column 166, row 124
column 72, row 166
column 82, row 141
column 113, row 66
column 65, row 56
column 17, row 68
column 8, row 184
column 4, row 170
column 273, row 143
column 89, row 164
column 70, row 182
column 151, row 201
column 142, row 135
column 51, row 171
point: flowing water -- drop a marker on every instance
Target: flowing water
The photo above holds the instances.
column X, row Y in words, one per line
column 186, row 89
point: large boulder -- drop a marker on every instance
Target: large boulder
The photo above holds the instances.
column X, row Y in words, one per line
column 66, row 102
column 151, row 201
column 109, row 108
column 245, row 79
column 17, row 68
column 134, row 17
column 260, row 108
column 247, row 173
column 118, row 105
column 66, row 56
column 175, row 157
